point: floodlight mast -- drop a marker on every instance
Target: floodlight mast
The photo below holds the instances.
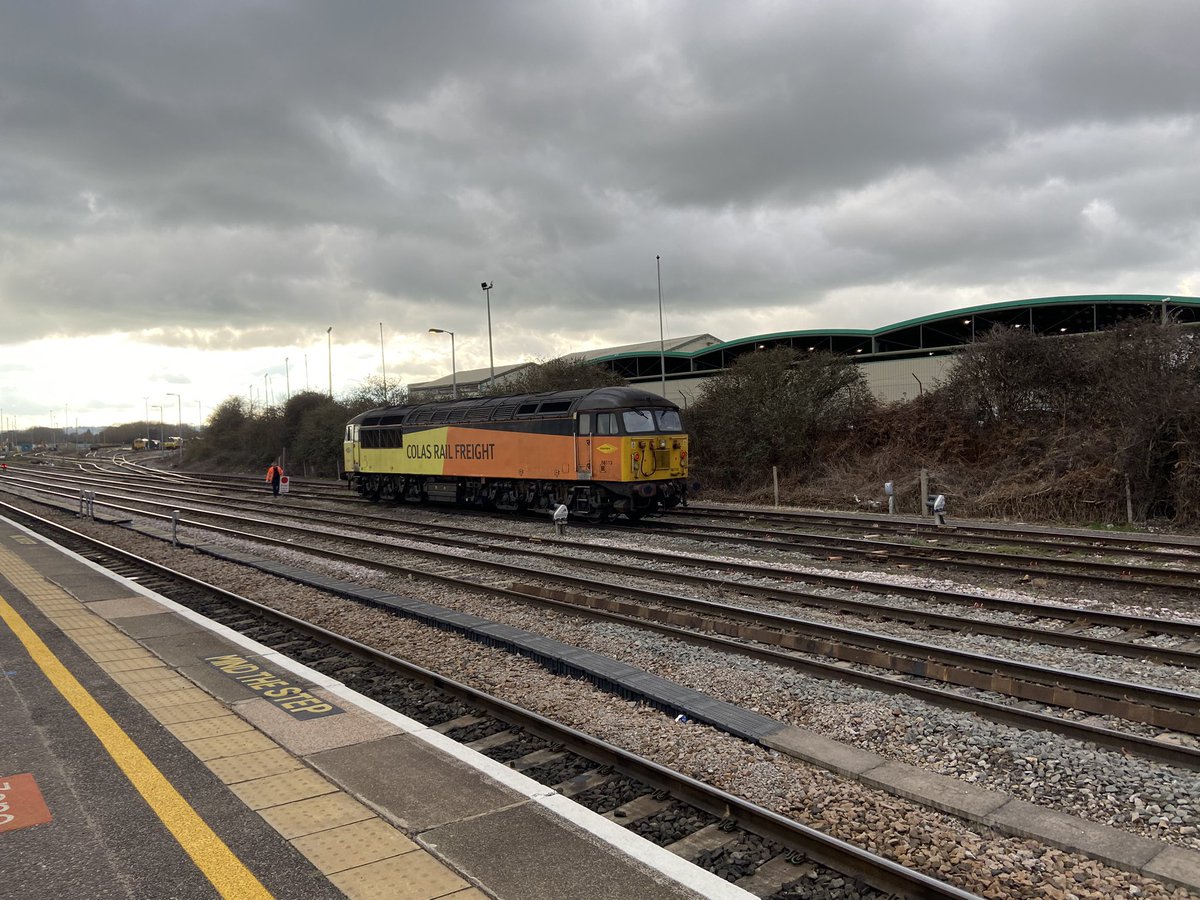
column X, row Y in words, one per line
column 487, row 290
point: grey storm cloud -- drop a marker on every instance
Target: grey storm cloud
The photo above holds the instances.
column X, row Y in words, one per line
column 208, row 165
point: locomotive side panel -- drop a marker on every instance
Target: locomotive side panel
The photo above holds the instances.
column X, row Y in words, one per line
column 486, row 453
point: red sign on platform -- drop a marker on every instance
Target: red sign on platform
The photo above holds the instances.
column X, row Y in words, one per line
column 21, row 803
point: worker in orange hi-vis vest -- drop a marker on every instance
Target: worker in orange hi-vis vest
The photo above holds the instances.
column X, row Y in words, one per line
column 275, row 476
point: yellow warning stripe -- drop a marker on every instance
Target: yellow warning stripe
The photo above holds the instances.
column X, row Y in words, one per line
column 220, row 866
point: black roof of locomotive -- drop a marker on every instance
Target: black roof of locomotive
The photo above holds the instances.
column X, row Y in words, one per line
column 479, row 409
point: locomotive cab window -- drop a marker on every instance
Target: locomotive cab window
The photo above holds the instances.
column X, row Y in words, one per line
column 584, row 423
column 668, row 420
column 606, row 423
column 644, row 421
column 638, row 421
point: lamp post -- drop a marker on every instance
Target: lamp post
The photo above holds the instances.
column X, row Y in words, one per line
column 199, row 416
column 487, row 291
column 160, row 423
column 329, row 336
column 383, row 364
column 179, row 408
column 453, row 364
column 146, row 400
column 287, row 377
column 662, row 354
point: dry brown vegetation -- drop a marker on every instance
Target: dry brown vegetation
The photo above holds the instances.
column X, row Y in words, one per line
column 1083, row 430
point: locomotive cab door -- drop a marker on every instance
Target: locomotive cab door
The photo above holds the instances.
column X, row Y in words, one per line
column 583, row 446
column 353, row 438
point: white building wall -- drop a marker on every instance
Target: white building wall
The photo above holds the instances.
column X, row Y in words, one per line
column 891, row 380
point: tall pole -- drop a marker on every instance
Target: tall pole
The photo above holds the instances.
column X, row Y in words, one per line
column 329, row 335
column 453, row 362
column 287, row 375
column 199, row 416
column 383, row 365
column 305, row 371
column 662, row 353
column 179, row 425
column 146, row 400
column 266, row 391
column 487, row 290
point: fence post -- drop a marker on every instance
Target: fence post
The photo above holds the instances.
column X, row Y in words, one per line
column 174, row 528
column 775, row 482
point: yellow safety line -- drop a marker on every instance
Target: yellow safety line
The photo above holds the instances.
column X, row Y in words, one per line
column 220, row 866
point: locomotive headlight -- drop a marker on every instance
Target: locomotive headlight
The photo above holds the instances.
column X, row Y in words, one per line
column 662, row 444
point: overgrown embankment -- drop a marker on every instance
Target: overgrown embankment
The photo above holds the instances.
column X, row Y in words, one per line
column 1085, row 429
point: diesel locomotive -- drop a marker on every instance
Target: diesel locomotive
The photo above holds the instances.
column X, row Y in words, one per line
column 603, row 452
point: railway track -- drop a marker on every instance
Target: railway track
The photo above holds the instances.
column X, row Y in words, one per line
column 457, row 540
column 725, row 833
column 1176, row 568
column 884, row 663
column 878, row 552
column 1162, row 547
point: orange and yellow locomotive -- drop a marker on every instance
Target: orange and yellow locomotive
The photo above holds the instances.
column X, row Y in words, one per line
column 603, row 452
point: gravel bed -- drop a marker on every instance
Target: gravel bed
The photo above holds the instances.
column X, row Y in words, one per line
column 1046, row 655
column 1119, row 668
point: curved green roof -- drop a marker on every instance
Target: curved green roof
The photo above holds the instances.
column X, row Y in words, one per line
column 934, row 332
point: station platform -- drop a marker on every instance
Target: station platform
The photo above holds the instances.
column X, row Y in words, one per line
column 148, row 752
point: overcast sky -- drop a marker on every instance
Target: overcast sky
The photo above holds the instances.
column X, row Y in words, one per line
column 192, row 193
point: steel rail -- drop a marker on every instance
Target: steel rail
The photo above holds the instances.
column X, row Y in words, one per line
column 955, row 623
column 877, row 871
column 1075, row 616
column 1184, row 546
column 1106, row 737
column 978, row 560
